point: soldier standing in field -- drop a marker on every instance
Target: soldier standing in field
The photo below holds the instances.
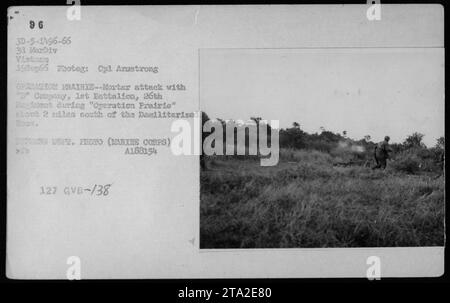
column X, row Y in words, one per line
column 381, row 153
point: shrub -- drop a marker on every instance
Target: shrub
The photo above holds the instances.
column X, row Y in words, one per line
column 409, row 164
column 415, row 160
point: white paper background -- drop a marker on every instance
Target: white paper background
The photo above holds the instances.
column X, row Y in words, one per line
column 145, row 227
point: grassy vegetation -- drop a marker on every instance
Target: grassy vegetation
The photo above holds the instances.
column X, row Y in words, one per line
column 306, row 201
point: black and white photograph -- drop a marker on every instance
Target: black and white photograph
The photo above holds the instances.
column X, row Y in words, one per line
column 361, row 148
column 240, row 145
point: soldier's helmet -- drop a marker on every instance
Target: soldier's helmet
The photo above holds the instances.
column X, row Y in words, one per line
column 387, row 138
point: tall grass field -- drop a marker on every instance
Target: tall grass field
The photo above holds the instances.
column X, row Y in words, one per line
column 307, row 201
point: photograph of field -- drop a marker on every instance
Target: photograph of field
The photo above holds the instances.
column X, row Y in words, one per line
column 360, row 149
column 308, row 201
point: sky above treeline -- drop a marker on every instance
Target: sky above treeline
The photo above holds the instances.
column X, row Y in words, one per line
column 364, row 91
